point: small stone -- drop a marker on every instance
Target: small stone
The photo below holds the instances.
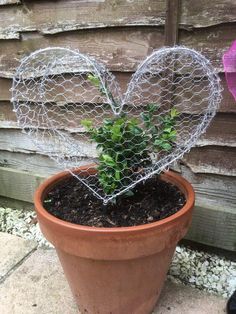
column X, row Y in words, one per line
column 178, row 249
column 192, row 279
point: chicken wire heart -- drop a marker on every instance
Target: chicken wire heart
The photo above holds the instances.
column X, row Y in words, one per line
column 74, row 111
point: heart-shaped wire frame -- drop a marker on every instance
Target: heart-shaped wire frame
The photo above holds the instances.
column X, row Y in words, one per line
column 53, row 94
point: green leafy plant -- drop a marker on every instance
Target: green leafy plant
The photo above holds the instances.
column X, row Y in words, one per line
column 124, row 146
column 123, row 149
column 163, row 136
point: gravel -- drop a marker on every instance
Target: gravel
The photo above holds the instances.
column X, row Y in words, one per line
column 204, row 271
column 22, row 223
column 198, row 269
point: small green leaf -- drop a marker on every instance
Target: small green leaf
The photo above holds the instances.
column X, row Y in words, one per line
column 145, row 117
column 117, row 175
column 152, row 107
column 86, row 123
column 136, row 130
column 167, row 130
column 172, row 135
column 108, row 160
column 116, row 132
column 174, row 113
column 158, row 142
column 166, row 146
column 94, row 80
column 107, row 122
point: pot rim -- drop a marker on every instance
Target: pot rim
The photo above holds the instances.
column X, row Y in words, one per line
column 168, row 176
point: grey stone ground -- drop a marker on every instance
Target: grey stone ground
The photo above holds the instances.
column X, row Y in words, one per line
column 13, row 250
column 32, row 282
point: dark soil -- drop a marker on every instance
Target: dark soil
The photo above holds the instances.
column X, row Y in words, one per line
column 153, row 200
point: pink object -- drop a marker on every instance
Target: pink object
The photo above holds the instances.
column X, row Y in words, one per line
column 229, row 61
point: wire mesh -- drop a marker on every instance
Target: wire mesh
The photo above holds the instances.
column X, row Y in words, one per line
column 73, row 108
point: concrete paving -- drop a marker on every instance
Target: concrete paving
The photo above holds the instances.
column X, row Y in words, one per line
column 13, row 250
column 36, row 285
column 179, row 299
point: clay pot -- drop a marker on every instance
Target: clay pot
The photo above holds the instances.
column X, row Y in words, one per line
column 115, row 270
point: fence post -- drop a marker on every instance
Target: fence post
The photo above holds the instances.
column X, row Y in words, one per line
column 172, row 22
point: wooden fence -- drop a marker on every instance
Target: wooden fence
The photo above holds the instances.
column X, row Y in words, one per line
column 121, row 33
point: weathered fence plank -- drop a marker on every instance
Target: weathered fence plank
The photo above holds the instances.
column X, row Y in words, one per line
column 212, row 159
column 120, row 49
column 172, row 22
column 212, row 188
column 214, row 226
column 214, row 217
column 208, row 160
column 28, row 162
column 214, row 134
column 14, row 140
column 212, row 42
column 216, row 189
column 221, row 131
column 34, row 163
column 227, row 104
column 19, row 185
column 205, row 13
column 50, row 17
column 5, row 85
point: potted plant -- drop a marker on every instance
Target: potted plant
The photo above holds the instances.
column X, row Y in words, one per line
column 112, row 269
column 119, row 269
column 116, row 250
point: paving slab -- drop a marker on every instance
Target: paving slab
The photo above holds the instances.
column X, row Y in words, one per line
column 13, row 250
column 179, row 299
column 38, row 286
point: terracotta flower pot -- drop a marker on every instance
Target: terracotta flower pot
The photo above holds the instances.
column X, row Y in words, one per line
column 115, row 270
